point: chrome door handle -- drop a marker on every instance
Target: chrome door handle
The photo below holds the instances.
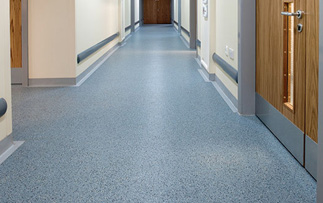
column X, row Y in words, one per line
column 3, row 107
column 299, row 14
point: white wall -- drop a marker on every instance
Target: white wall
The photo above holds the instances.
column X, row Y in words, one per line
column 51, row 39
column 5, row 74
column 185, row 18
column 96, row 20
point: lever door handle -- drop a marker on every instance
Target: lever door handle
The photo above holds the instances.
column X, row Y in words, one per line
column 3, row 107
column 298, row 14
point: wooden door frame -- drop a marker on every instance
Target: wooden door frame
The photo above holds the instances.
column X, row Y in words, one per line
column 320, row 121
column 22, row 75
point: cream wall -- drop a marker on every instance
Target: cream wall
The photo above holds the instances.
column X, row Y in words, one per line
column 5, row 77
column 127, row 15
column 185, row 17
column 96, row 20
column 199, row 20
column 215, row 32
column 176, row 10
column 51, row 27
column 137, row 13
column 227, row 34
column 204, row 36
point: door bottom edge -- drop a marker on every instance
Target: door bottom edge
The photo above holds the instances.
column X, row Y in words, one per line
column 291, row 137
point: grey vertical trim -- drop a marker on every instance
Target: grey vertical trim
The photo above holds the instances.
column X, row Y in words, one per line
column 320, row 124
column 311, row 156
column 133, row 15
column 172, row 10
column 247, row 59
column 141, row 12
column 193, row 23
column 24, row 24
column 179, row 15
column 17, row 76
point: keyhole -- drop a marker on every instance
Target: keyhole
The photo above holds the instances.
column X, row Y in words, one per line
column 299, row 27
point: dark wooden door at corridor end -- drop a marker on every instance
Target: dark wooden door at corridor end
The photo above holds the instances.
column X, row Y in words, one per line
column 157, row 11
column 287, row 74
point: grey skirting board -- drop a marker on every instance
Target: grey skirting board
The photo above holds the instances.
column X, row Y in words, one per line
column 233, row 73
column 186, row 31
column 3, row 107
column 128, row 28
column 175, row 22
column 137, row 22
column 91, row 50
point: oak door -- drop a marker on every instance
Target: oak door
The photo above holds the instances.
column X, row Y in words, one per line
column 15, row 34
column 287, row 59
column 157, row 11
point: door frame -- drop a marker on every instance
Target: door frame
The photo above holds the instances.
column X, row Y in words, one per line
column 21, row 75
column 320, row 121
column 247, row 57
column 25, row 55
column 193, row 23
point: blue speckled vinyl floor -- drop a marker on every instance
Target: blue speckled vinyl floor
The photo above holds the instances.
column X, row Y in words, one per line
column 145, row 127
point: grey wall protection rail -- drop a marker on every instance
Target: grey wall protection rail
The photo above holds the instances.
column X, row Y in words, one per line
column 198, row 43
column 233, row 73
column 186, row 31
column 128, row 28
column 3, row 107
column 89, row 51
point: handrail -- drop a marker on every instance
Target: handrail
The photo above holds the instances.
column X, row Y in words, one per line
column 3, row 107
column 91, row 50
column 232, row 72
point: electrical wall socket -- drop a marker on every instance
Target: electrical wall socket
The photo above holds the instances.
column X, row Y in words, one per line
column 231, row 53
column 226, row 51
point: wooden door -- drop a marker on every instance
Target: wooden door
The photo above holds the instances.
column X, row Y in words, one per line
column 150, row 11
column 15, row 34
column 281, row 58
column 287, row 61
column 164, row 12
column 157, row 11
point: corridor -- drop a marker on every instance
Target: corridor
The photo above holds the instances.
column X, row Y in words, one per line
column 145, row 127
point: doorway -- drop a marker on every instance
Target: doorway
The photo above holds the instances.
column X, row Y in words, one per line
column 18, row 42
column 287, row 74
column 157, row 11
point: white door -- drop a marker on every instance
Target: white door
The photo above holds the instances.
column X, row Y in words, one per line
column 5, row 77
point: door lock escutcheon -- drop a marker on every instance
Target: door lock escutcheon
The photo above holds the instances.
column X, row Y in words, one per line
column 299, row 28
column 298, row 14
